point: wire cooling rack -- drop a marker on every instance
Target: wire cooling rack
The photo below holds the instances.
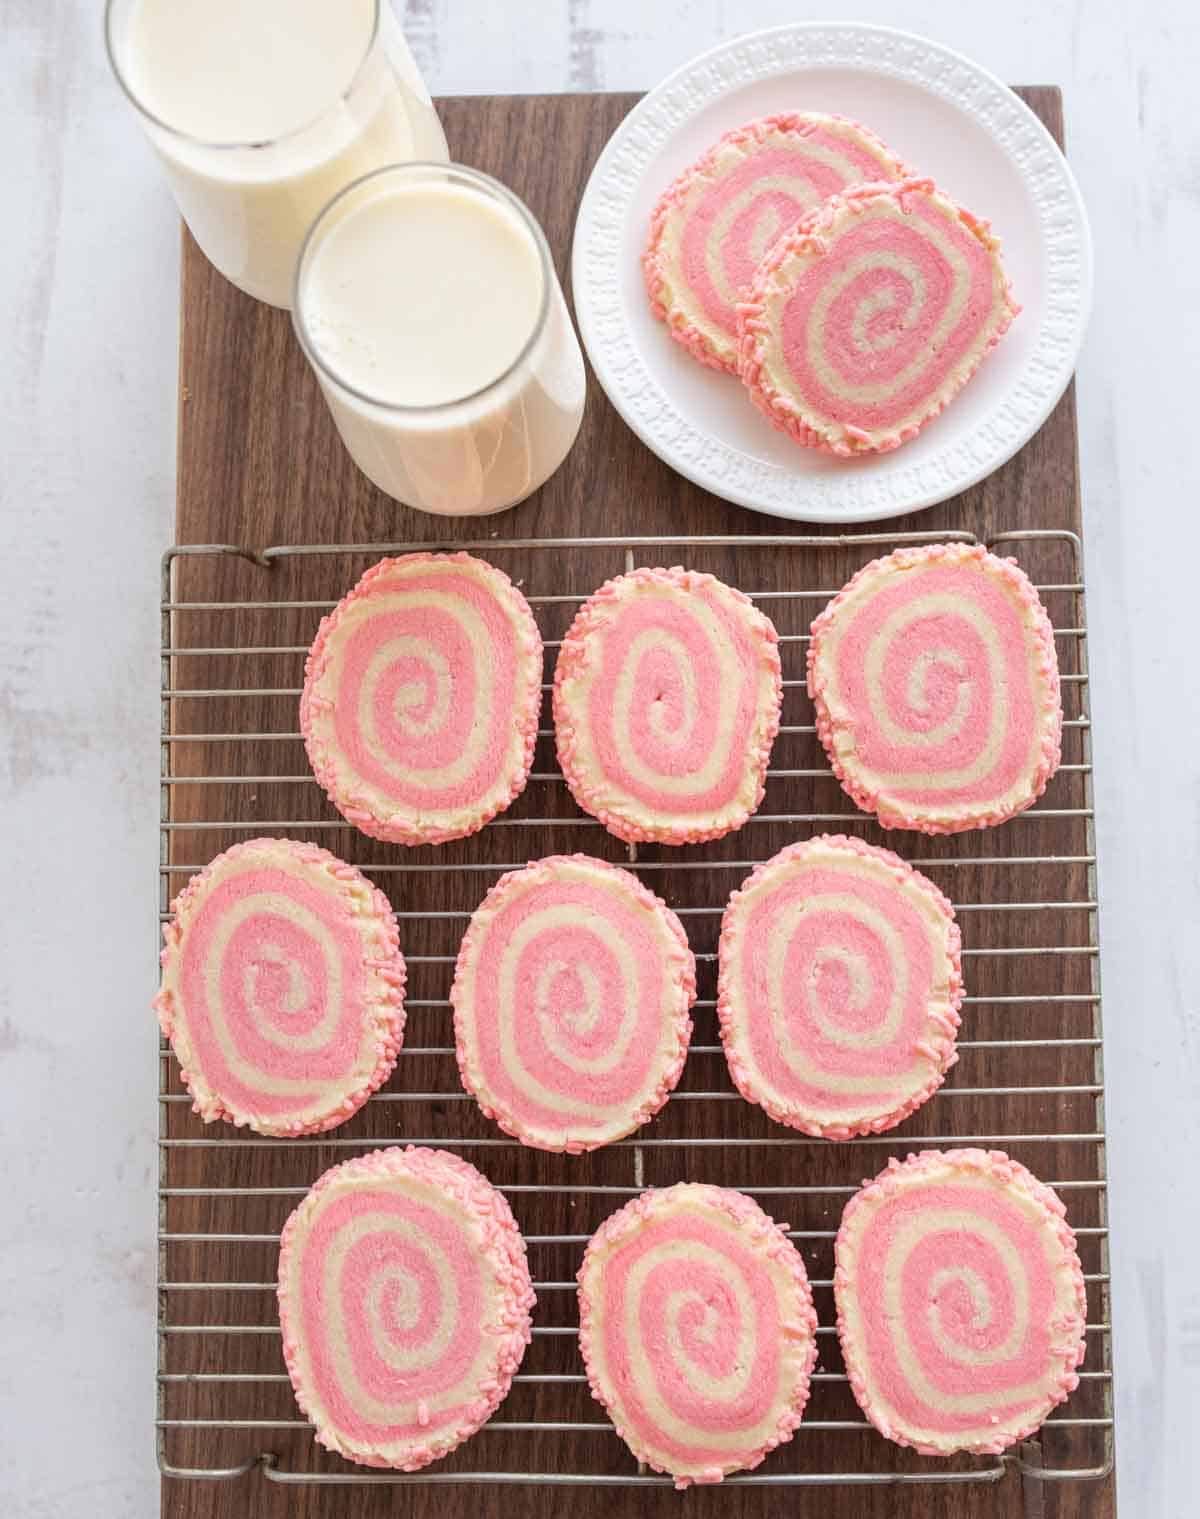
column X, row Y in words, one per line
column 236, row 625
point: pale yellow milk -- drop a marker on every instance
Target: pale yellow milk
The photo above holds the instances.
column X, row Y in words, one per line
column 272, row 106
column 422, row 303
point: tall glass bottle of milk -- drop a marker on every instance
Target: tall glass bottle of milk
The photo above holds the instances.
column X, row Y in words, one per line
column 428, row 306
column 262, row 110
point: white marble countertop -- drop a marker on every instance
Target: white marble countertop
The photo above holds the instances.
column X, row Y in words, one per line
column 88, row 269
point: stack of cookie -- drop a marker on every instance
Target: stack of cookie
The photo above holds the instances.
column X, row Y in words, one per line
column 851, row 297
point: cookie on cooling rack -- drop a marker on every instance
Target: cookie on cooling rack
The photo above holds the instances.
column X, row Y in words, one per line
column 282, row 988
column 936, row 687
column 713, row 225
column 571, row 1001
column 404, row 1302
column 421, row 698
column 865, row 321
column 667, row 695
column 697, row 1330
column 839, row 987
column 961, row 1302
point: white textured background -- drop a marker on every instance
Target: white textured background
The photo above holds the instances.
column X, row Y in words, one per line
column 88, row 268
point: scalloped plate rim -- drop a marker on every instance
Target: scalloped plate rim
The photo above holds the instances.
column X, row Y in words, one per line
column 652, row 431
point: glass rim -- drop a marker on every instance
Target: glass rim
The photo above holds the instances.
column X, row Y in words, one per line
column 478, row 181
column 232, row 145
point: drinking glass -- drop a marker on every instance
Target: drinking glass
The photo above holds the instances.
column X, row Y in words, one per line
column 249, row 204
column 385, row 362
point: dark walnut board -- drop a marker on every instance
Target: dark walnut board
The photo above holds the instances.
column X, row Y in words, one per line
column 260, row 464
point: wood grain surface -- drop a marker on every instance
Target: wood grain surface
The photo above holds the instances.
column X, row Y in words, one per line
column 260, row 464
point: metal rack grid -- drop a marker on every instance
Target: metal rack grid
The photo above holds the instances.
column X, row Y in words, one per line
column 219, row 1358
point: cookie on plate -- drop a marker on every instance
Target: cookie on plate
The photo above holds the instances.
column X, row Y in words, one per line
column 961, row 1301
column 421, row 698
column 571, row 1001
column 667, row 695
column 936, row 688
column 282, row 988
column 712, row 226
column 864, row 321
column 697, row 1330
column 839, row 987
column 404, row 1303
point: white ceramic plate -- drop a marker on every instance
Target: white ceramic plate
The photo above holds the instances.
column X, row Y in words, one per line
column 949, row 119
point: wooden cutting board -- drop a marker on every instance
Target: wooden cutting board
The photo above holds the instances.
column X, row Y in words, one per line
column 261, row 464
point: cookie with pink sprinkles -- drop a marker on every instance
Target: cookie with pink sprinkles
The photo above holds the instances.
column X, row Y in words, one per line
column 404, row 1304
column 935, row 681
column 839, row 987
column 572, row 998
column 697, row 1330
column 961, row 1301
column 714, row 223
column 421, row 698
column 863, row 322
column 282, row 988
column 667, row 695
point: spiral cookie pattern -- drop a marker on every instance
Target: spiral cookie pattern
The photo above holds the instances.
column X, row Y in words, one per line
column 697, row 1330
column 282, row 988
column 421, row 698
column 667, row 695
column 961, row 1302
column 839, row 988
column 936, row 688
column 571, row 1003
column 404, row 1301
column 862, row 323
column 713, row 225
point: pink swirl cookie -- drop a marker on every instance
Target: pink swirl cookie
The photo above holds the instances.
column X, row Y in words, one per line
column 961, row 1302
column 713, row 225
column 666, row 703
column 936, row 688
column 282, row 988
column 421, row 698
column 862, row 323
column 697, row 1330
column 839, row 987
column 571, row 1003
column 404, row 1301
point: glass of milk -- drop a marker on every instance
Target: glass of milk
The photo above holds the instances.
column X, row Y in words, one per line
column 428, row 306
column 262, row 110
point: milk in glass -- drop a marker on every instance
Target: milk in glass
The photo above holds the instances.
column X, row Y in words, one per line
column 430, row 310
column 262, row 110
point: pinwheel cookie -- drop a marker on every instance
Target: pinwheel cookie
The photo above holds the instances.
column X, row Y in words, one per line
column 571, row 1003
column 936, row 687
column 282, row 988
column 404, row 1302
column 667, row 695
column 421, row 698
column 839, row 988
column 716, row 221
column 865, row 320
column 697, row 1330
column 961, row 1302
